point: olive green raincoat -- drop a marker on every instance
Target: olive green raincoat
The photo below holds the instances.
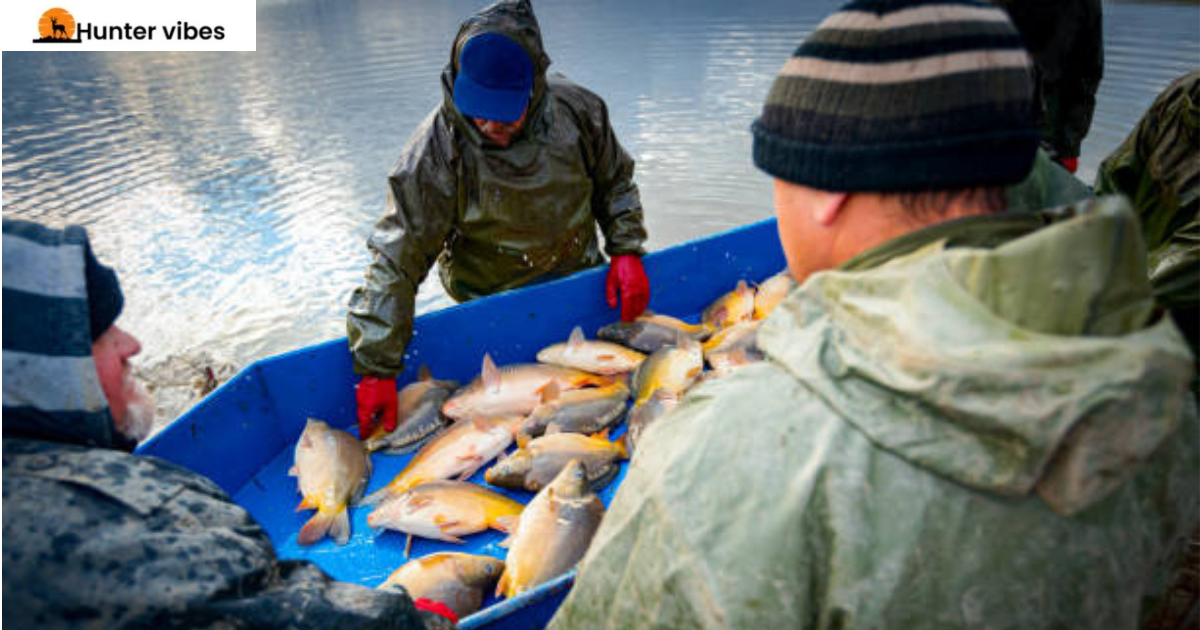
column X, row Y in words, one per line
column 1157, row 168
column 494, row 218
column 964, row 428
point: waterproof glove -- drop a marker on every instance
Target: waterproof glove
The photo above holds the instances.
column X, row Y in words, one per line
column 375, row 395
column 626, row 274
column 1071, row 163
column 435, row 607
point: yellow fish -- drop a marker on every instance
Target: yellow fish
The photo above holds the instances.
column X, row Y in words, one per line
column 331, row 470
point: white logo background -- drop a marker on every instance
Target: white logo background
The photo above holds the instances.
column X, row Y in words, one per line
column 19, row 23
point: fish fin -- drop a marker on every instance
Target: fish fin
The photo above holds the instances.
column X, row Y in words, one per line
column 423, row 373
column 502, row 583
column 316, row 528
column 576, row 339
column 490, row 374
column 293, row 471
column 522, row 438
column 417, row 502
column 377, row 496
column 549, row 391
column 466, row 474
column 694, row 371
column 306, row 440
column 340, row 529
column 602, row 435
column 606, row 357
column 623, row 445
column 307, row 503
column 507, row 524
column 408, row 547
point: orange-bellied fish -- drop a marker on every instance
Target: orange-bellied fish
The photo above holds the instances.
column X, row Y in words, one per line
column 731, row 308
column 514, row 389
column 331, row 470
column 455, row 579
column 537, row 463
column 419, row 411
column 446, row 510
column 597, row 357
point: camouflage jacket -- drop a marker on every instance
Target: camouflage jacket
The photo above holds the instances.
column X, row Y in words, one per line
column 981, row 424
column 95, row 537
column 494, row 218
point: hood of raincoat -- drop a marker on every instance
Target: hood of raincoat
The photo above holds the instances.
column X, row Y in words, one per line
column 51, row 389
column 516, row 21
column 953, row 359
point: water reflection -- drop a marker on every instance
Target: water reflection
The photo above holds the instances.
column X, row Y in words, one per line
column 234, row 191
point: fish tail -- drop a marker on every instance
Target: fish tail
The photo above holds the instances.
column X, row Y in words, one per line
column 623, row 445
column 340, row 529
column 317, row 526
column 502, row 583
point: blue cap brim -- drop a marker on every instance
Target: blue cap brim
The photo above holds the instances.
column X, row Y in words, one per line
column 477, row 101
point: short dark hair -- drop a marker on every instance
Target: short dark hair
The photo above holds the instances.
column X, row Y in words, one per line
column 935, row 204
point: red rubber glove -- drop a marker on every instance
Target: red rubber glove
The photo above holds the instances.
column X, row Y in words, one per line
column 626, row 273
column 437, row 608
column 1071, row 163
column 375, row 395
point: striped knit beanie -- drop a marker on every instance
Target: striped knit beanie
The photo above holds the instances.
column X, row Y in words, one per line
column 902, row 95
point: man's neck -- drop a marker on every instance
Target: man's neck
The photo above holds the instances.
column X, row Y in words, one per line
column 878, row 219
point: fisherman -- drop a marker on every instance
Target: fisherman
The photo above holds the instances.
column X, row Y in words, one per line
column 966, row 418
column 504, row 184
column 1065, row 39
column 1157, row 169
column 95, row 537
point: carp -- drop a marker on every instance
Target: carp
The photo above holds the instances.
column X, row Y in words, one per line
column 597, row 357
column 771, row 292
column 651, row 331
column 646, row 413
column 553, row 532
column 419, row 415
column 733, row 347
column 514, row 389
column 673, row 368
column 458, row 451
column 576, row 411
column 537, row 463
column 455, row 579
column 446, row 510
column 331, row 470
column 731, row 308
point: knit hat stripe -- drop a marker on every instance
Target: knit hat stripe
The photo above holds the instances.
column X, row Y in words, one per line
column 833, row 128
column 917, row 34
column 911, row 50
column 905, row 70
column 852, row 19
column 893, row 101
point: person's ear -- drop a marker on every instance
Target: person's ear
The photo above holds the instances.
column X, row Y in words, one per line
column 828, row 206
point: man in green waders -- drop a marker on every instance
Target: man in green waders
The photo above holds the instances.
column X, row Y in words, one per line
column 966, row 418
column 504, row 185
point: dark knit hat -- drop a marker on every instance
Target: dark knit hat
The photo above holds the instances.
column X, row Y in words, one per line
column 105, row 299
column 902, row 95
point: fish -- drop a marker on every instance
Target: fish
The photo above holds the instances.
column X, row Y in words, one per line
column 455, row 579
column 577, row 411
column 733, row 347
column 553, row 532
column 731, row 308
column 514, row 389
column 419, row 415
column 673, row 368
column 458, row 451
column 597, row 357
column 651, row 331
column 537, row 463
column 771, row 292
column 648, row 412
column 331, row 470
column 446, row 510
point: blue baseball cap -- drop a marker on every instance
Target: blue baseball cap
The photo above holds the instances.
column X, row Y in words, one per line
column 495, row 77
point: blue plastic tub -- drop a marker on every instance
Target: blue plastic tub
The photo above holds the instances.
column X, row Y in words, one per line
column 243, row 435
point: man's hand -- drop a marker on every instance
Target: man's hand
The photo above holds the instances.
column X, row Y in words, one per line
column 375, row 395
column 435, row 607
column 1070, row 163
column 625, row 273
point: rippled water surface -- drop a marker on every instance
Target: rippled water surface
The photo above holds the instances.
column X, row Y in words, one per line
column 234, row 191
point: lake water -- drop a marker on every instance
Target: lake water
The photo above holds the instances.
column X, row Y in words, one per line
column 234, row 192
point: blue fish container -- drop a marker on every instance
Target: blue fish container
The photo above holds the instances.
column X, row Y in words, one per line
column 243, row 435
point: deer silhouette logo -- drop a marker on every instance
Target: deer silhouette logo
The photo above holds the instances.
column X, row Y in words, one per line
column 57, row 26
